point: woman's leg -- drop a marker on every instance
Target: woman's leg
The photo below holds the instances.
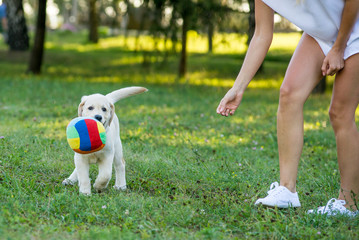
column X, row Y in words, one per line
column 344, row 102
column 303, row 74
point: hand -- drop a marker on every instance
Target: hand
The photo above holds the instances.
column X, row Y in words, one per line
column 333, row 62
column 229, row 103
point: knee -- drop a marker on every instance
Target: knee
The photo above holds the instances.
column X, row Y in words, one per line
column 284, row 95
column 333, row 114
column 289, row 96
column 337, row 115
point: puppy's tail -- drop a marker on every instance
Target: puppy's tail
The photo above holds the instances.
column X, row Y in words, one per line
column 124, row 93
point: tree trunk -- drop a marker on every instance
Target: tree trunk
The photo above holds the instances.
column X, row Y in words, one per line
column 115, row 20
column 251, row 21
column 210, row 36
column 93, row 22
column 172, row 31
column 74, row 12
column 38, row 48
column 183, row 60
column 143, row 18
column 17, row 30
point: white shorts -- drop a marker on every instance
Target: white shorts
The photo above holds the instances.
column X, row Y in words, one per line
column 351, row 49
column 320, row 19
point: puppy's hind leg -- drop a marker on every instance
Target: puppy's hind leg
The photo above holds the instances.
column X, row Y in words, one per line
column 72, row 180
column 120, row 172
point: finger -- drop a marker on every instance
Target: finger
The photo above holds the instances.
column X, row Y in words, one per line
column 324, row 67
column 219, row 109
column 221, row 105
column 330, row 71
column 232, row 112
column 334, row 69
column 227, row 112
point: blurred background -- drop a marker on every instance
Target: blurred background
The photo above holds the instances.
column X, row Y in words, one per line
column 158, row 31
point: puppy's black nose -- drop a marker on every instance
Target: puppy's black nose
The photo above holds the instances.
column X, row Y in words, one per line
column 98, row 117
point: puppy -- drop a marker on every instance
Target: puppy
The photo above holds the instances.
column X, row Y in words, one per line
column 102, row 108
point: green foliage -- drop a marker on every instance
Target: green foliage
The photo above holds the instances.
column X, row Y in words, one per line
column 191, row 174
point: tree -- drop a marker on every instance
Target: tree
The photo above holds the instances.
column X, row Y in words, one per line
column 93, row 22
column 157, row 26
column 74, row 12
column 211, row 13
column 183, row 59
column 17, row 29
column 251, row 21
column 185, row 10
column 38, row 48
column 115, row 21
column 144, row 15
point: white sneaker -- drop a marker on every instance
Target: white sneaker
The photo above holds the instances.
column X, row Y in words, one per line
column 279, row 196
column 334, row 207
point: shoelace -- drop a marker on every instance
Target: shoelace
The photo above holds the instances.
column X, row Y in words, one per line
column 335, row 204
column 273, row 187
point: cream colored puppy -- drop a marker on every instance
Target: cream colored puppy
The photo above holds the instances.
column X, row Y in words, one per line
column 102, row 108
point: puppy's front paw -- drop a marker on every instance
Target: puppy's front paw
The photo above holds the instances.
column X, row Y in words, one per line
column 123, row 188
column 67, row 181
column 85, row 190
column 85, row 193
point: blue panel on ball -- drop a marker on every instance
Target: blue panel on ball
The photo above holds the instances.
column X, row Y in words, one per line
column 85, row 143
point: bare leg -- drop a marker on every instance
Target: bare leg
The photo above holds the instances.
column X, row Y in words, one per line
column 303, row 73
column 344, row 102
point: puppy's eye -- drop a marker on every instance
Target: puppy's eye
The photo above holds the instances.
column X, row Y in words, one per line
column 104, row 109
column 90, row 108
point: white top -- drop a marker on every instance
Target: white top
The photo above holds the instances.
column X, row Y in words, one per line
column 318, row 18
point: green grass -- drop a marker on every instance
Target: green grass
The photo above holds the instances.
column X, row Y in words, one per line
column 191, row 174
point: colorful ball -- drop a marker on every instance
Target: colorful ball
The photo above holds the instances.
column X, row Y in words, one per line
column 86, row 135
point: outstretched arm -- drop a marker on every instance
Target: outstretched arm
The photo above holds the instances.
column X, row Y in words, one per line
column 334, row 61
column 257, row 50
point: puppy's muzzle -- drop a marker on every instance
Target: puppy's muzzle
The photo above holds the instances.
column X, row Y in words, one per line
column 98, row 117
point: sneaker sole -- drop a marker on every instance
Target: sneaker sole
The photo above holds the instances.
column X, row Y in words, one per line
column 276, row 206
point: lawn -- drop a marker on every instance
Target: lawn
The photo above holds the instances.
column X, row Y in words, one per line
column 191, row 174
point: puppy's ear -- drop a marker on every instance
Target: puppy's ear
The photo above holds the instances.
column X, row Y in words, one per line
column 112, row 113
column 81, row 106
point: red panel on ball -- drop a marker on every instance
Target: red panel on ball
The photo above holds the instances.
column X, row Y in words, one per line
column 93, row 134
